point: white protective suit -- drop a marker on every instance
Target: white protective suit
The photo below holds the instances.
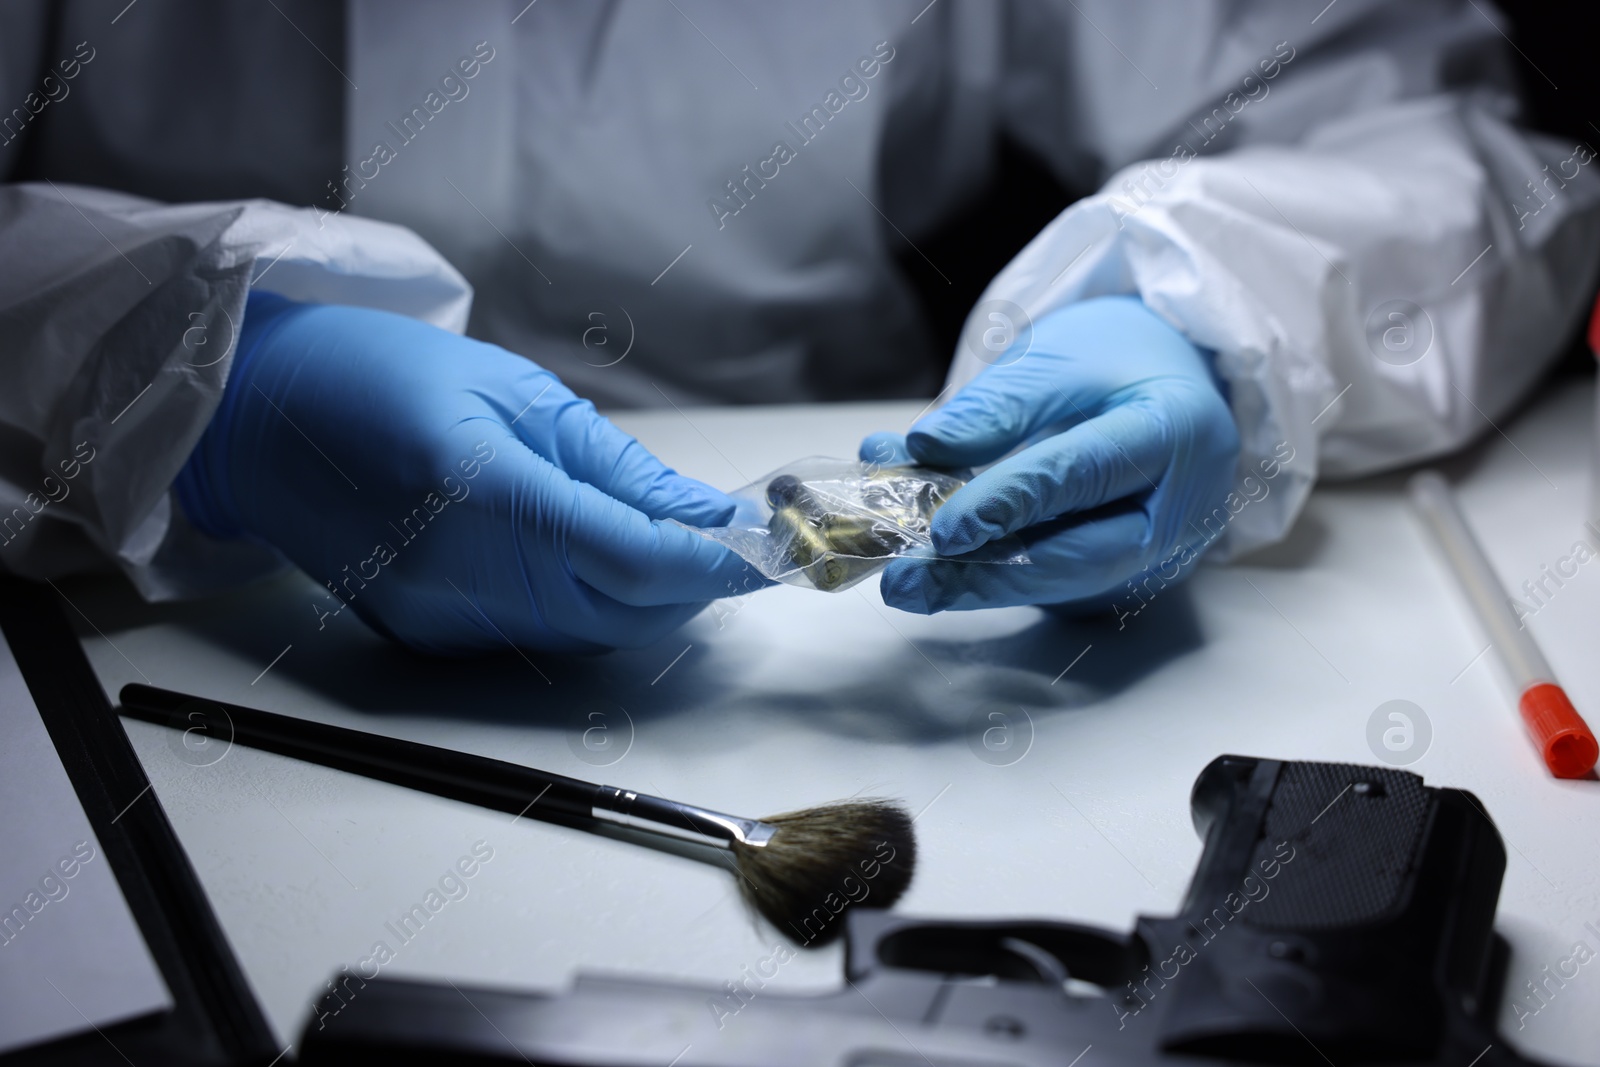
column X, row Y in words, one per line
column 720, row 190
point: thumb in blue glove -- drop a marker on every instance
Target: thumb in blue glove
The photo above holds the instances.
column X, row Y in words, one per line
column 1130, row 446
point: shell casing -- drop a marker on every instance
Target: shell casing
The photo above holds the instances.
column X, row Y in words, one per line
column 860, row 535
column 805, row 539
column 827, row 565
column 785, row 490
column 830, row 572
column 838, row 543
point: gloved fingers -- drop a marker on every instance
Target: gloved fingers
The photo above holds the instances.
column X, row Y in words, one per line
column 547, row 553
column 1079, row 560
column 886, row 450
column 591, row 449
column 999, row 410
column 644, row 562
column 1118, row 454
column 568, row 431
column 550, row 616
column 1080, row 355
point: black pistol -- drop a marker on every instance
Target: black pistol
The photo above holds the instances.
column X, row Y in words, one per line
column 1340, row 914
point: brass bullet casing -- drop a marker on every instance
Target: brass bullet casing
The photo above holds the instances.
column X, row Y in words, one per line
column 836, row 547
column 802, row 533
column 863, row 535
column 810, row 548
column 835, row 572
column 786, row 490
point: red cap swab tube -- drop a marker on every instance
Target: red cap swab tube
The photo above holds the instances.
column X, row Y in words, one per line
column 1564, row 739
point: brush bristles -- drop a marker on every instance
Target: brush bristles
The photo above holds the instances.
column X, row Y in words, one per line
column 824, row 860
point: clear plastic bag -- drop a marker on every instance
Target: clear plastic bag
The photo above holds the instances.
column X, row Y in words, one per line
column 828, row 523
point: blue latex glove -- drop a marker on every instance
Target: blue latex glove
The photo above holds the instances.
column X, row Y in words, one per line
column 1131, row 447
column 456, row 495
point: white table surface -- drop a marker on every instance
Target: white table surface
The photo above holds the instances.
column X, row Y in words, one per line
column 801, row 697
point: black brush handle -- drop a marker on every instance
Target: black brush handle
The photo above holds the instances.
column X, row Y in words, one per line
column 489, row 783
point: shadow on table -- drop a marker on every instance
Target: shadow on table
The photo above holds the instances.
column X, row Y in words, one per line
column 943, row 689
column 922, row 692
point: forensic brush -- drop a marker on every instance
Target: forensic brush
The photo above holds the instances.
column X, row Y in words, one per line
column 796, row 869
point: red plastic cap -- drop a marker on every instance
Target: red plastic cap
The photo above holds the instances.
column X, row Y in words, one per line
column 1564, row 739
column 1594, row 329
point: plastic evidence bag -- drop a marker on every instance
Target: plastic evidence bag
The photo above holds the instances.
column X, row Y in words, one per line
column 828, row 523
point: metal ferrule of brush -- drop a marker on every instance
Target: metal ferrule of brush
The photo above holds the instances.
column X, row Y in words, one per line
column 661, row 816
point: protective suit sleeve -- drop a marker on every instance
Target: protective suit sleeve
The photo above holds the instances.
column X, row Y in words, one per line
column 120, row 331
column 1340, row 207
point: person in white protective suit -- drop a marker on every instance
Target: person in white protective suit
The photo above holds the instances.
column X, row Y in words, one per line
column 241, row 245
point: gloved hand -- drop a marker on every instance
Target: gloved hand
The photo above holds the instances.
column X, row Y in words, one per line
column 1132, row 448
column 455, row 495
